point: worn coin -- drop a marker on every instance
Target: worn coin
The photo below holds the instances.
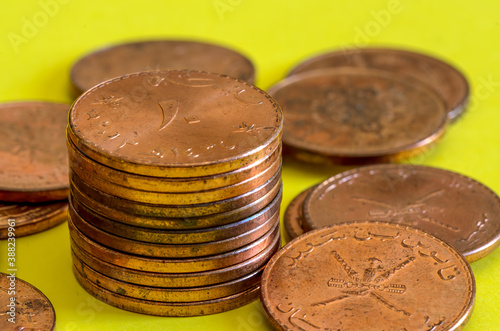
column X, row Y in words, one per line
column 26, row 305
column 293, row 218
column 368, row 276
column 119, row 60
column 33, row 155
column 358, row 115
column 449, row 82
column 453, row 207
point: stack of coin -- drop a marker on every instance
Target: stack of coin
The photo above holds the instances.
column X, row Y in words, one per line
column 34, row 168
column 175, row 191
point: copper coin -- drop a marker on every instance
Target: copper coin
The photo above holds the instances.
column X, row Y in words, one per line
column 455, row 208
column 368, row 276
column 31, row 218
column 357, row 115
column 165, row 184
column 184, row 265
column 24, row 307
column 165, row 294
column 448, row 82
column 119, row 60
column 33, row 155
column 176, row 280
column 176, row 223
column 180, row 124
column 293, row 218
column 192, row 236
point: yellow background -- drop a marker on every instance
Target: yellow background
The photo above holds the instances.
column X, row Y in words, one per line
column 34, row 64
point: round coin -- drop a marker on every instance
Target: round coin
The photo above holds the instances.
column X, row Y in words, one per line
column 175, row 124
column 368, row 276
column 358, row 115
column 455, row 208
column 128, row 58
column 33, row 155
column 24, row 306
column 448, row 82
column 294, row 216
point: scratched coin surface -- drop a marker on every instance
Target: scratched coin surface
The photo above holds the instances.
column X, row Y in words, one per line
column 449, row 82
column 358, row 115
column 368, row 276
column 128, row 58
column 293, row 218
column 33, row 157
column 453, row 207
column 31, row 310
column 175, row 123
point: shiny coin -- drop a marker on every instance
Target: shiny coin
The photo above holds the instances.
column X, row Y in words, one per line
column 368, row 276
column 294, row 216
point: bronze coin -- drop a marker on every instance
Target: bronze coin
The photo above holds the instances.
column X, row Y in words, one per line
column 33, row 155
column 24, row 307
column 455, row 208
column 192, row 236
column 368, row 276
column 358, row 115
column 176, row 280
column 219, row 124
column 448, row 82
column 293, row 218
column 31, row 218
column 119, row 60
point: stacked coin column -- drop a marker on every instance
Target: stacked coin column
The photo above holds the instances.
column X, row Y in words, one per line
column 175, row 191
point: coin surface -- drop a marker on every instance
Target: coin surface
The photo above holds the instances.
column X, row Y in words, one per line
column 184, row 124
column 119, row 60
column 26, row 305
column 358, row 115
column 293, row 218
column 450, row 83
column 33, row 155
column 368, row 276
column 453, row 207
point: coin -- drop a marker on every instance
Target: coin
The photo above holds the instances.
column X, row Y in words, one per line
column 24, row 307
column 175, row 280
column 117, row 127
column 293, row 218
column 455, row 208
column 358, row 115
column 31, row 218
column 119, row 60
column 33, row 155
column 368, row 276
column 448, row 82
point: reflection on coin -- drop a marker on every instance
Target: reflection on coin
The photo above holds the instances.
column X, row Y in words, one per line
column 133, row 57
column 294, row 216
column 445, row 79
column 31, row 310
column 33, row 155
column 455, row 208
column 368, row 276
column 358, row 115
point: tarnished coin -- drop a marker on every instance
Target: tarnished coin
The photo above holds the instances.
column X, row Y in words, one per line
column 33, row 155
column 175, row 124
column 368, row 276
column 24, row 307
column 450, row 83
column 294, row 216
column 128, row 58
column 358, row 115
column 455, row 208
column 28, row 219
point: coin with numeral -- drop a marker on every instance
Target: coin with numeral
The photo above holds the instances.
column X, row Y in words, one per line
column 368, row 276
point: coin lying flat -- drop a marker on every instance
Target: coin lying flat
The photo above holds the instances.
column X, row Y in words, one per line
column 358, row 115
column 128, row 58
column 293, row 218
column 450, row 83
column 368, row 276
column 33, row 155
column 29, row 310
column 455, row 208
